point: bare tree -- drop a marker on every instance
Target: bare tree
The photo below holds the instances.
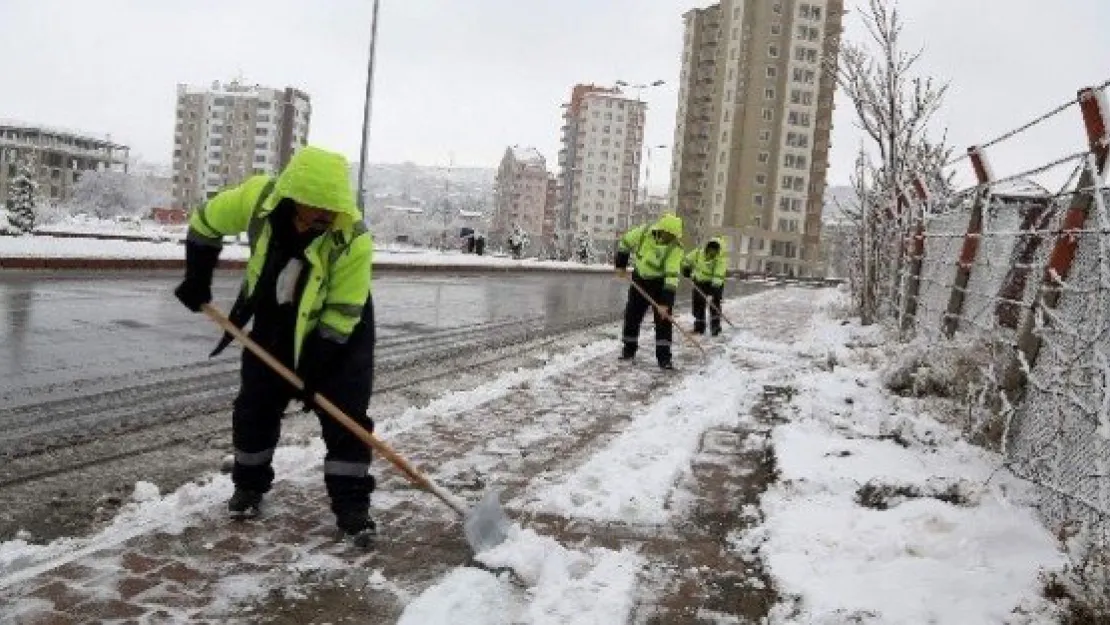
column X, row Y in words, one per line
column 894, row 108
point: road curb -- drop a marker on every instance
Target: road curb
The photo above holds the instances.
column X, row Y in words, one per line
column 138, row 264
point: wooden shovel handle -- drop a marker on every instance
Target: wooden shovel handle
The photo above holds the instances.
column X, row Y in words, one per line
column 367, row 437
column 666, row 315
column 710, row 302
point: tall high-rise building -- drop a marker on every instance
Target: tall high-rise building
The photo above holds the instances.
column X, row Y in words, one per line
column 599, row 165
column 520, row 194
column 752, row 132
column 226, row 133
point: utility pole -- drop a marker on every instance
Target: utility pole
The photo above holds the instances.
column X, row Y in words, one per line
column 366, row 110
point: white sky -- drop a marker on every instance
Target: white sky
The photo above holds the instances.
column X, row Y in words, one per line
column 465, row 78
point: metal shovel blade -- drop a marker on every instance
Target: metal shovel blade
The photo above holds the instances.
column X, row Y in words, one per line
column 486, row 525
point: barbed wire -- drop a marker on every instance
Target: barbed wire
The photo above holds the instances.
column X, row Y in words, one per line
column 1026, row 126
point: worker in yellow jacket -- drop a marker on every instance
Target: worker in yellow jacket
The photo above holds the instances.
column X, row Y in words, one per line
column 307, row 288
column 707, row 268
column 658, row 268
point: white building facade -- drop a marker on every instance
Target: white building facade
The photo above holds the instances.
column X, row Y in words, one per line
column 225, row 133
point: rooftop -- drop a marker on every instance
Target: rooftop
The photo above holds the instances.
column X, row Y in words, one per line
column 103, row 141
column 528, row 155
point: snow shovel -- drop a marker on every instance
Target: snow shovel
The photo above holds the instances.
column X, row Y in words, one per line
column 485, row 525
column 710, row 303
column 664, row 314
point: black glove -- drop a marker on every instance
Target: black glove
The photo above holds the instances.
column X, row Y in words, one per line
column 622, row 259
column 318, row 357
column 200, row 262
column 687, row 271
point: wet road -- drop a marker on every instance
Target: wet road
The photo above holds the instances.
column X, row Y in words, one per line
column 84, row 356
column 62, row 329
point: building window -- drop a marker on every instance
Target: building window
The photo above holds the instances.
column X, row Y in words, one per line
column 772, row 71
column 724, row 156
column 761, row 179
column 719, row 198
column 773, row 51
column 764, row 157
column 261, row 132
column 735, row 33
column 776, row 29
column 757, row 199
column 769, row 93
column 764, row 135
column 768, row 114
column 777, row 8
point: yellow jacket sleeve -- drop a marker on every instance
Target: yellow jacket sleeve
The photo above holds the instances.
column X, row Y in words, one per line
column 348, row 289
column 227, row 214
column 672, row 268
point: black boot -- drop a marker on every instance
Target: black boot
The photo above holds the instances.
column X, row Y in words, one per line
column 357, row 527
column 666, row 365
column 628, row 353
column 244, row 504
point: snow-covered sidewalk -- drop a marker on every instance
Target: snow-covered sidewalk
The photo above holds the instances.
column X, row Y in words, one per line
column 777, row 480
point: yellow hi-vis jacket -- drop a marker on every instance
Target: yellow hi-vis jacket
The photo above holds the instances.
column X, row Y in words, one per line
column 340, row 260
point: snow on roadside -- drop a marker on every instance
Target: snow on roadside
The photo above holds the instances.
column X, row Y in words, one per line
column 883, row 514
column 78, row 247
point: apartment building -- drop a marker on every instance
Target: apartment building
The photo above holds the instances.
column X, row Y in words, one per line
column 60, row 157
column 599, row 165
column 752, row 130
column 227, row 132
column 520, row 193
column 550, row 210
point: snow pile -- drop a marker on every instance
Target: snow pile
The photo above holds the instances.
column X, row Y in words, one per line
column 61, row 247
column 883, row 514
column 630, row 479
column 563, row 586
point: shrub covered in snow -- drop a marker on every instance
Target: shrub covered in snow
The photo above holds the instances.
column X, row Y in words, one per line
column 6, row 227
column 108, row 194
column 22, row 197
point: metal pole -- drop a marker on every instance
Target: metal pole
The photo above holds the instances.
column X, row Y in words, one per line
column 366, row 113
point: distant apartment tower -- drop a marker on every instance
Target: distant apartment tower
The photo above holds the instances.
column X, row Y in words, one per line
column 227, row 132
column 60, row 157
column 752, row 131
column 599, row 165
column 520, row 193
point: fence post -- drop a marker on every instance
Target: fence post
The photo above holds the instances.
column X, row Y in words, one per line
column 970, row 250
column 917, row 252
column 1092, row 104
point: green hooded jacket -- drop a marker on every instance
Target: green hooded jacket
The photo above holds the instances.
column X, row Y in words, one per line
column 340, row 260
column 652, row 259
column 706, row 270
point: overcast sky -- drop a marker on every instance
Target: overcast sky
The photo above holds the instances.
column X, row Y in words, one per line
column 465, row 78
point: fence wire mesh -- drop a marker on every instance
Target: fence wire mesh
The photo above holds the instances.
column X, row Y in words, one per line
column 994, row 286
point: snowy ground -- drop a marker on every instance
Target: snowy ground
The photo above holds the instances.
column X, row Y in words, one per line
column 779, row 480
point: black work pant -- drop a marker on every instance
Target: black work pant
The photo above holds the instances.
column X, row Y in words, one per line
column 263, row 397
column 634, row 312
column 698, row 304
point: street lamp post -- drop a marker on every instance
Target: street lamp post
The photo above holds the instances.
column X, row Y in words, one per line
column 366, row 112
column 639, row 87
column 647, row 171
